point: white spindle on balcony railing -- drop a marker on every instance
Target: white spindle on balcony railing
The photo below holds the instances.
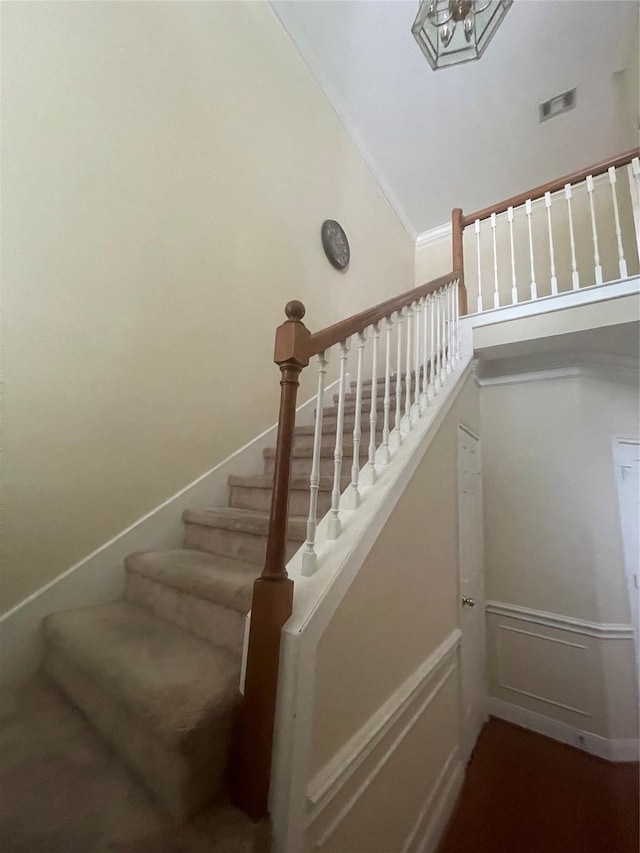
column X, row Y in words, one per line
column 514, row 287
column 438, row 381
column 406, row 420
column 397, row 423
column 415, row 408
column 477, row 230
column 594, row 232
column 334, row 525
column 552, row 256
column 431, row 388
column 622, row 264
column 425, row 353
column 533, row 285
column 575, row 277
column 496, row 286
column 309, row 557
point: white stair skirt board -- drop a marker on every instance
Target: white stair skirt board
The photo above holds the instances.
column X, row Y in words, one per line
column 620, row 749
column 99, row 577
column 568, row 299
column 317, row 598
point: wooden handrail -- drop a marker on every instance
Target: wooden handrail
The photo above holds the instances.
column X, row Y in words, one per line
column 326, row 338
column 552, row 186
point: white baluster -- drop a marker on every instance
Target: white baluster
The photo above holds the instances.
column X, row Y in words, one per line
column 415, row 409
column 406, row 420
column 452, row 328
column 456, row 303
column 479, row 266
column 396, row 435
column 633, row 170
column 514, row 288
column 534, row 289
column 309, row 556
column 335, row 526
column 383, row 452
column 552, row 258
column 351, row 498
column 369, row 473
column 439, row 339
column 496, row 294
column 425, row 353
column 431, row 390
column 575, row 278
column 622, row 264
column 594, row 231
column 448, row 366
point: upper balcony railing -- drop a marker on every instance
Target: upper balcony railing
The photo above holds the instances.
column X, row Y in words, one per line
column 574, row 232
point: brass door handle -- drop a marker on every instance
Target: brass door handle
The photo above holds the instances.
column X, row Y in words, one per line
column 468, row 601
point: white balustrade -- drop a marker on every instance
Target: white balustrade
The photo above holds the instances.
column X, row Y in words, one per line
column 425, row 353
column 496, row 291
column 431, row 388
column 552, row 257
column 384, row 454
column 369, row 474
column 533, row 285
column 406, row 420
column 335, row 525
column 417, row 314
column 309, row 556
column 397, row 423
column 477, row 229
column 622, row 264
column 352, row 495
column 514, row 287
column 633, row 171
column 456, row 302
column 438, row 379
column 594, row 232
column 448, row 365
column 575, row 277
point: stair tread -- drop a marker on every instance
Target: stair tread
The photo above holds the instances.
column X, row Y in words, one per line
column 260, row 481
column 243, row 520
column 173, row 680
column 325, row 449
column 222, row 580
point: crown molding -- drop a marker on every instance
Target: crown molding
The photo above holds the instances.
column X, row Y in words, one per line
column 433, row 235
column 546, row 366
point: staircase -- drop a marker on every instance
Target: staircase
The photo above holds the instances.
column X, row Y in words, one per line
column 158, row 673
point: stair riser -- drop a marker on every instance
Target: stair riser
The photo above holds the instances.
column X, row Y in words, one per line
column 184, row 779
column 206, row 619
column 301, row 465
column 259, row 500
column 230, row 543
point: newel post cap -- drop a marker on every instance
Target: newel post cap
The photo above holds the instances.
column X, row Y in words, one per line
column 292, row 337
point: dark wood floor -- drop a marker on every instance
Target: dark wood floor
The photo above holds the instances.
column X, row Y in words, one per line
column 525, row 793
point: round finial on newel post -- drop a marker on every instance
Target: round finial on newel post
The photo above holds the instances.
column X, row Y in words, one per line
column 295, row 310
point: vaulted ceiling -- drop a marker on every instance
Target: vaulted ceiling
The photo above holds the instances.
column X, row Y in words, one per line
column 469, row 135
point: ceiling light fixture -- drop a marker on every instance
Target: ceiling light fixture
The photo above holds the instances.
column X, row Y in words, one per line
column 454, row 31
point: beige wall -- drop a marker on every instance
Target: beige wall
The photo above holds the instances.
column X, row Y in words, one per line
column 554, row 544
column 166, row 170
column 400, row 608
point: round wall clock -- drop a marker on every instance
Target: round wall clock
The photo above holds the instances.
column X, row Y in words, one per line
column 335, row 244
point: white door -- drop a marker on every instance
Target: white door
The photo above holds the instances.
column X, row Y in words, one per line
column 627, row 463
column 471, row 588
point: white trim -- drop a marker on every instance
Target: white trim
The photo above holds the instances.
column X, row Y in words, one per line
column 560, row 302
column 602, row 631
column 330, row 779
column 99, row 577
column 446, row 794
column 546, row 366
column 433, row 235
column 617, row 749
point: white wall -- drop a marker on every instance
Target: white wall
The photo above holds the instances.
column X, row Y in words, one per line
column 561, row 651
column 166, row 170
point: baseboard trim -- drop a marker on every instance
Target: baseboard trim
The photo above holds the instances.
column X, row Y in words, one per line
column 602, row 631
column 617, row 749
column 328, row 782
column 99, row 577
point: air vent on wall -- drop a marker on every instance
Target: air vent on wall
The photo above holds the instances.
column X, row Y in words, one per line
column 560, row 104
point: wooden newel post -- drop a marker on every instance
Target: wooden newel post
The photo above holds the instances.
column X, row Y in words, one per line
column 272, row 591
column 457, row 230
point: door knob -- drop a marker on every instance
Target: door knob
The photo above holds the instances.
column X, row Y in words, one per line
column 468, row 601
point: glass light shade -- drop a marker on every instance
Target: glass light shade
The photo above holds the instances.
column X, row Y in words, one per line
column 453, row 31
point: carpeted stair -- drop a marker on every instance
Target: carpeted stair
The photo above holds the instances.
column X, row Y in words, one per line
column 157, row 675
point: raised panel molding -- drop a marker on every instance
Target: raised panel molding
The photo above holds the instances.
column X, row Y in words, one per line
column 401, row 711
column 603, row 631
